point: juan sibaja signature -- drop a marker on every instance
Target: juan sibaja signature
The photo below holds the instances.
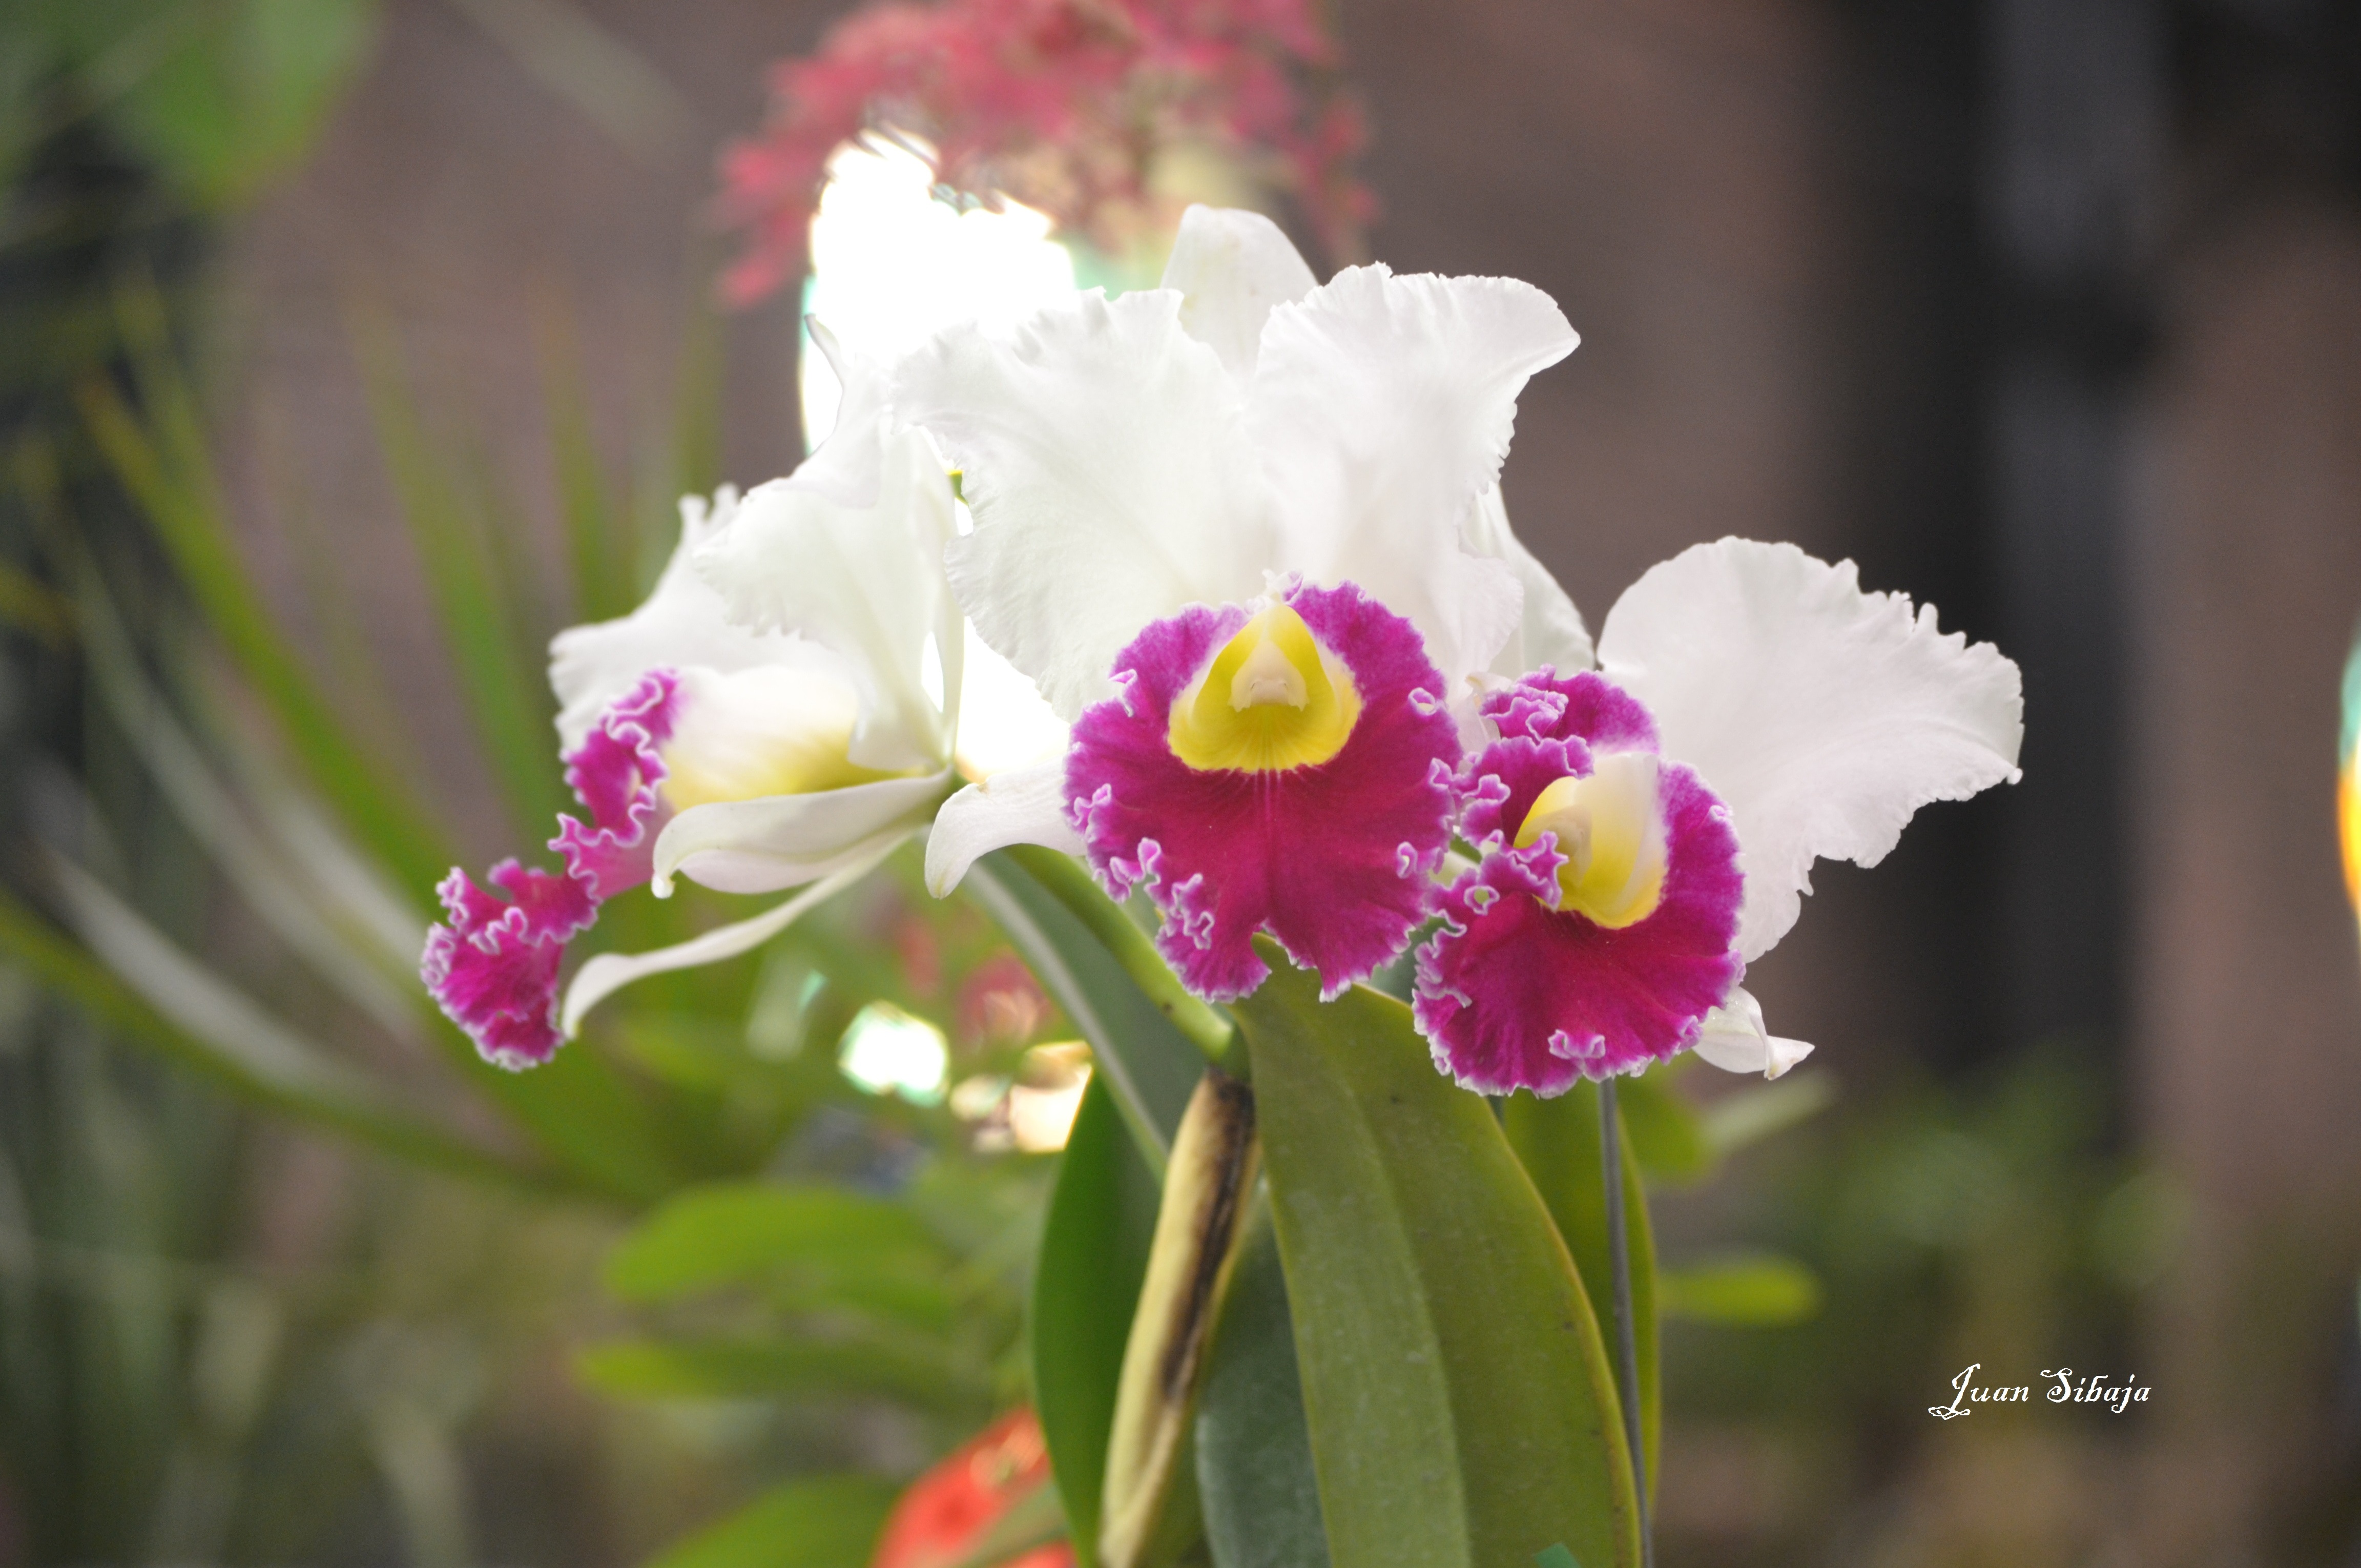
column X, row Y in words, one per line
column 2065, row 1389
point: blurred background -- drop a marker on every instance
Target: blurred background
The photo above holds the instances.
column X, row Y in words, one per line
column 348, row 348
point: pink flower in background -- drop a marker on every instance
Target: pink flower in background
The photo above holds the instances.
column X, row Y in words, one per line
column 1062, row 103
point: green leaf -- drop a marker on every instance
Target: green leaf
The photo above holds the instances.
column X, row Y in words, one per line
column 183, row 502
column 1255, row 1476
column 915, row 1371
column 1752, row 1114
column 507, row 694
column 1143, row 1057
column 829, row 1521
column 1740, row 1291
column 742, row 1234
column 1558, row 1142
column 1094, row 1258
column 1664, row 1131
column 287, row 1077
column 220, row 96
column 1461, row 1409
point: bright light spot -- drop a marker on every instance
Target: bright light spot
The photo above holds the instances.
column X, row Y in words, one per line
column 892, row 266
column 1041, row 1119
column 1003, row 722
column 886, row 1052
column 1046, row 1094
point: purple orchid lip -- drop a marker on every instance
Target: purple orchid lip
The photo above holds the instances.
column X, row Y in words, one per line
column 1331, row 857
column 493, row 969
column 1517, row 991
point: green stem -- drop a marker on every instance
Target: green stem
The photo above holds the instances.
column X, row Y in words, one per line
column 1066, row 880
column 1627, row 1353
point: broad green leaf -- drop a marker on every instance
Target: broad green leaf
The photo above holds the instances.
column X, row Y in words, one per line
column 906, row 1367
column 827, row 1521
column 1255, row 1476
column 1141, row 1054
column 742, row 1234
column 1093, row 1256
column 1745, row 1290
column 1558, row 1142
column 1459, row 1396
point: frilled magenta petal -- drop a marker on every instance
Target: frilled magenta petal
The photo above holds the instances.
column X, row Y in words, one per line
column 1330, row 856
column 1021, row 805
column 1581, row 707
column 1515, row 992
column 1382, row 406
column 1102, row 454
column 1823, row 715
column 1734, row 1040
column 602, row 976
column 1550, row 631
column 783, row 840
column 493, row 969
column 1230, row 268
column 866, row 582
column 618, row 773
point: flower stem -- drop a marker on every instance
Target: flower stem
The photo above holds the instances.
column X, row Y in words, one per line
column 1627, row 1353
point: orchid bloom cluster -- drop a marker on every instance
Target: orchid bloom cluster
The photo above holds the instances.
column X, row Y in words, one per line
column 1060, row 102
column 1244, row 533
column 779, row 714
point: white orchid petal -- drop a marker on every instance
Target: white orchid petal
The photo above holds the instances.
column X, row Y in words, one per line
column 1733, row 1039
column 1381, row 406
column 1822, row 715
column 1550, row 631
column 864, row 581
column 1231, row 267
column 846, row 467
column 1023, row 805
column 602, row 976
column 1103, row 458
column 681, row 625
column 778, row 842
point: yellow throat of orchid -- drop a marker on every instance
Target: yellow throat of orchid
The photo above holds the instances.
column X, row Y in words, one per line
column 1273, row 699
column 763, row 732
column 1610, row 828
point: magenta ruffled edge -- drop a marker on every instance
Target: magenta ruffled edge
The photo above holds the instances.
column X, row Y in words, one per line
column 1333, row 860
column 493, row 968
column 1515, row 994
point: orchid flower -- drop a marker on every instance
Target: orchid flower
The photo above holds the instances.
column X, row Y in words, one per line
column 1245, row 532
column 1647, row 830
column 763, row 721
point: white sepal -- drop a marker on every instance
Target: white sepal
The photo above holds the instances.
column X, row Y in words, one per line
column 1230, row 268
column 1823, row 717
column 1733, row 1039
column 1023, row 805
column 606, row 973
column 781, row 841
